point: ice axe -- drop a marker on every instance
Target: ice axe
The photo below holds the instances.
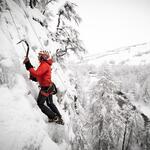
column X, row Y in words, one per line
column 27, row 52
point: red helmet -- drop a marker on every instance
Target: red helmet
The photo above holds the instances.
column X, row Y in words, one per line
column 43, row 55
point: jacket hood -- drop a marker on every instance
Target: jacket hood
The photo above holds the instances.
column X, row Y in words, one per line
column 49, row 61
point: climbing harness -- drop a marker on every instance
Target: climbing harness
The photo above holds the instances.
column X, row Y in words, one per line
column 51, row 90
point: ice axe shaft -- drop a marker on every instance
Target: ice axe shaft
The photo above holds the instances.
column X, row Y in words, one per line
column 27, row 52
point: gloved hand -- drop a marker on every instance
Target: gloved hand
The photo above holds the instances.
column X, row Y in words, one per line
column 26, row 60
column 33, row 78
column 27, row 63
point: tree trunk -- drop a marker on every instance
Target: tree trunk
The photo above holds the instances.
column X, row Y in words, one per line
column 124, row 137
column 32, row 3
column 129, row 139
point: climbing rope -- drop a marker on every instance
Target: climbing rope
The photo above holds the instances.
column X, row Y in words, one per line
column 32, row 27
column 13, row 20
column 29, row 23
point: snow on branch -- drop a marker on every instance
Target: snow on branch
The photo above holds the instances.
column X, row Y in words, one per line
column 68, row 12
column 42, row 23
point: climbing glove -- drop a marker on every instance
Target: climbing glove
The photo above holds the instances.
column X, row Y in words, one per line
column 27, row 63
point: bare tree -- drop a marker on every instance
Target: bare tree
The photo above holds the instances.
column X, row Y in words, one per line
column 32, row 3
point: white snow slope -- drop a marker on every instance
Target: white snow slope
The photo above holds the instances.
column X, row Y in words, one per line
column 137, row 54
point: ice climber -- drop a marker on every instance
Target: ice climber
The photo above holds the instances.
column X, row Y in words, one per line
column 47, row 88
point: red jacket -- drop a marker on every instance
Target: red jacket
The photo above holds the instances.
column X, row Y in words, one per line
column 43, row 73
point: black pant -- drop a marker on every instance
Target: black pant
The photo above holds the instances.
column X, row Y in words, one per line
column 50, row 110
column 52, row 106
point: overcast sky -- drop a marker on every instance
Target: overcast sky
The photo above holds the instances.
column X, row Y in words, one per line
column 110, row 24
